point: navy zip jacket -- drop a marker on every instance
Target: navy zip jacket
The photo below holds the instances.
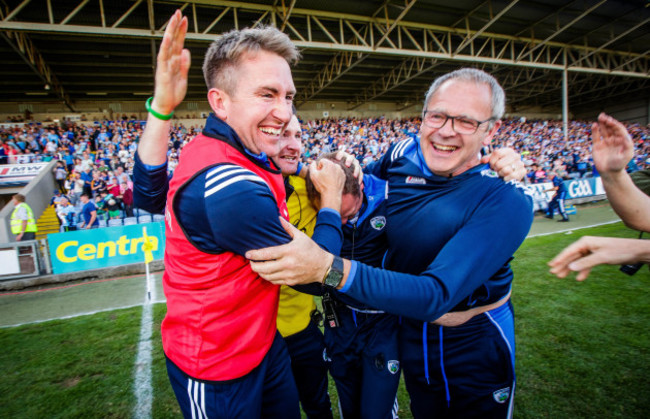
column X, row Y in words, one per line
column 450, row 240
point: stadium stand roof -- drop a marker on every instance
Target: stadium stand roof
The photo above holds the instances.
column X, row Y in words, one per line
column 353, row 51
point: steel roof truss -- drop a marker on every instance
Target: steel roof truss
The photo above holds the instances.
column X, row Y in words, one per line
column 391, row 25
column 405, row 71
column 21, row 43
column 470, row 38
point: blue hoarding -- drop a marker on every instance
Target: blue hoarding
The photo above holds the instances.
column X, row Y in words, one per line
column 104, row 247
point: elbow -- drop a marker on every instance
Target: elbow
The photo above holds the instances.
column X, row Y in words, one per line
column 639, row 225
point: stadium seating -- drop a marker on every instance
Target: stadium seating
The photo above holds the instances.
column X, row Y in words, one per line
column 114, row 222
column 144, row 219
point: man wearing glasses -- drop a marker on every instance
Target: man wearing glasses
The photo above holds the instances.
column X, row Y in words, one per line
column 452, row 228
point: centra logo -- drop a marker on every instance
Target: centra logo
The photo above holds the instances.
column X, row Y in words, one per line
column 70, row 251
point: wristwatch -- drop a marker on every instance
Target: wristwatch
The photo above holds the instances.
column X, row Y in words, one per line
column 334, row 275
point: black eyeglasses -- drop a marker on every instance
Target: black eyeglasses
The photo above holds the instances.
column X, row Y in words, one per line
column 460, row 124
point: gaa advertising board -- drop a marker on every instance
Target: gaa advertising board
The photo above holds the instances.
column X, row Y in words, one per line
column 576, row 188
column 98, row 248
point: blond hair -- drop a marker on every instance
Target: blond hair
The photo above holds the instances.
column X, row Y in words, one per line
column 225, row 53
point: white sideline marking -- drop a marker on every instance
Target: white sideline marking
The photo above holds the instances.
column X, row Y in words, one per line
column 142, row 384
column 573, row 229
column 72, row 316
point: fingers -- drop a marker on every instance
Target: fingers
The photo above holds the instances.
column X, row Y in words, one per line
column 571, row 252
column 166, row 46
column 582, row 275
column 277, row 271
column 347, row 158
column 266, row 254
column 325, row 173
column 595, row 133
column 288, row 227
column 612, row 129
column 358, row 173
column 584, row 265
column 186, row 60
column 560, row 264
column 179, row 34
column 173, row 39
column 508, row 164
column 580, row 257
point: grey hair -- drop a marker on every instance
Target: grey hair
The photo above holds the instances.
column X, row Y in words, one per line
column 226, row 52
column 477, row 76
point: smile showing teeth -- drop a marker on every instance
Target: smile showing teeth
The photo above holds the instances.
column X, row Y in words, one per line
column 271, row 131
column 288, row 158
column 444, row 147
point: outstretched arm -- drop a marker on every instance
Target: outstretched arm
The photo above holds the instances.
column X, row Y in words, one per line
column 589, row 251
column 172, row 66
column 612, row 150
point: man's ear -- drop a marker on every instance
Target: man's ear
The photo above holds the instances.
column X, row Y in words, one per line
column 219, row 101
column 492, row 132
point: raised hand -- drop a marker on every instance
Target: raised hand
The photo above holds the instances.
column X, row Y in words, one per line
column 172, row 66
column 329, row 179
column 612, row 147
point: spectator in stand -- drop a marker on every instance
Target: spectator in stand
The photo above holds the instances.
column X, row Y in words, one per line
column 50, row 147
column 126, row 196
column 121, row 175
column 112, row 206
column 77, row 187
column 3, row 153
column 67, row 215
column 113, row 187
column 56, row 199
column 540, row 175
column 86, row 160
column 60, row 174
column 98, row 184
column 88, row 213
column 87, row 178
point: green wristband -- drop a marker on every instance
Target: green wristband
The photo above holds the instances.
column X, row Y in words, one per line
column 160, row 116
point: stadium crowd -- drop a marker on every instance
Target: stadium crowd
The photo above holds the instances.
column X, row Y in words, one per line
column 97, row 158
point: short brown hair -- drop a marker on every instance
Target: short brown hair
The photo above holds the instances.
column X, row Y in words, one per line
column 19, row 197
column 226, row 52
column 351, row 185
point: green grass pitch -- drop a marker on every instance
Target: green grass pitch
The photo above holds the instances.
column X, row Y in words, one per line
column 582, row 349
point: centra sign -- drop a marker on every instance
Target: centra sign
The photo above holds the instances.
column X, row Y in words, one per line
column 82, row 250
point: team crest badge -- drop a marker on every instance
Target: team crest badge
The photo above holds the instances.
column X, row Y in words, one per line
column 378, row 222
column 501, row 396
column 393, row 366
column 325, row 357
column 489, row 173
